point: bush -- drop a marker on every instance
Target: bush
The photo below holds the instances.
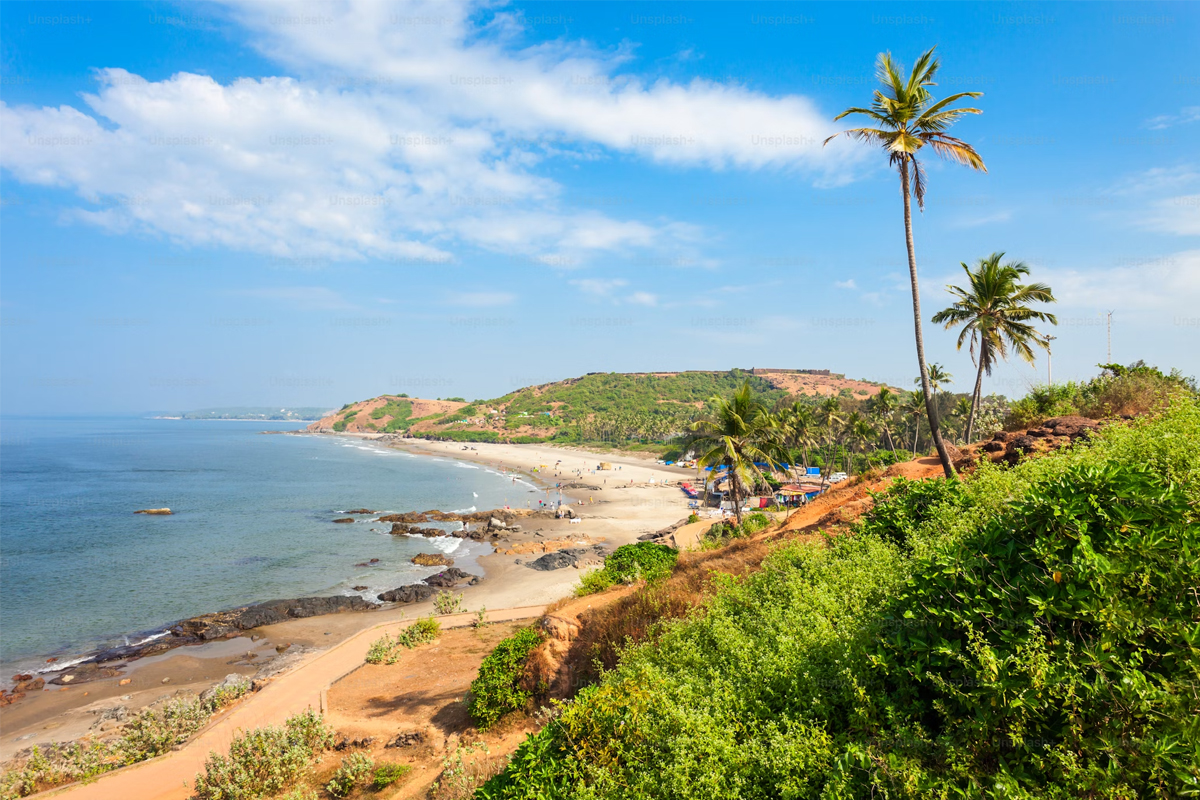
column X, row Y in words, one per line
column 1035, row 637
column 387, row 774
column 496, row 691
column 387, row 650
column 1118, row 391
column 693, row 518
column 646, row 560
column 265, row 761
column 447, row 602
column 355, row 770
column 595, row 581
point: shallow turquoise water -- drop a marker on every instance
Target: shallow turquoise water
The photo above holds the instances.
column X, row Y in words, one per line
column 252, row 522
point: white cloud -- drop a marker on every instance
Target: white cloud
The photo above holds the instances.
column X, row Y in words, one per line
column 1155, row 284
column 1179, row 215
column 483, row 299
column 408, row 129
column 1186, row 115
column 643, row 299
column 846, row 284
column 599, row 286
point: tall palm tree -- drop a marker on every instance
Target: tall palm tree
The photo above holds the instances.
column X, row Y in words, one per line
column 912, row 406
column 962, row 412
column 908, row 119
column 798, row 426
column 995, row 314
column 882, row 406
column 737, row 433
column 829, row 415
column 937, row 377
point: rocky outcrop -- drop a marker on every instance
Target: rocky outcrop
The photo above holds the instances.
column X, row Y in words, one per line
column 359, row 511
column 448, row 579
column 1052, row 434
column 86, row 673
column 432, row 560
column 345, row 519
column 413, row 593
column 228, row 623
column 570, row 557
column 155, row 511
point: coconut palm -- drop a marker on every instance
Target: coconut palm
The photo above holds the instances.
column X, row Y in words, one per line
column 798, row 426
column 882, row 406
column 913, row 406
column 938, row 377
column 908, row 119
column 829, row 415
column 737, row 433
column 962, row 412
column 995, row 314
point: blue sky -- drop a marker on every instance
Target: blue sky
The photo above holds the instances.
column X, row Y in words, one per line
column 306, row 204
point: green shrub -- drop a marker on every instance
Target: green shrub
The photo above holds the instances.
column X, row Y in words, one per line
column 646, row 560
column 387, row 650
column 495, row 692
column 355, row 770
column 693, row 518
column 264, row 761
column 595, row 581
column 447, row 602
column 1035, row 637
column 387, row 774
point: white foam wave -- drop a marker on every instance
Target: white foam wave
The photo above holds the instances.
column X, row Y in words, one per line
column 470, row 510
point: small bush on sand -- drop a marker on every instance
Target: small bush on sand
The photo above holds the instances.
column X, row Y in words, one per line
column 265, row 761
column 496, row 691
column 595, row 581
column 387, row 650
column 355, row 770
column 387, row 774
column 447, row 602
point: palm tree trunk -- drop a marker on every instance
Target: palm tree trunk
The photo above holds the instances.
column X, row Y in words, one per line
column 975, row 398
column 930, row 409
column 733, row 493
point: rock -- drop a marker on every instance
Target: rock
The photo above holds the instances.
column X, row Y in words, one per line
column 558, row 628
column 125, row 681
column 1002, row 436
column 1072, row 426
column 8, row 698
column 1025, row 443
column 86, row 673
column 1040, row 433
column 406, row 739
column 432, row 560
column 154, row 511
column 25, row 676
column 359, row 588
column 359, row 511
column 112, row 714
column 345, row 519
column 29, row 685
column 408, row 516
column 552, row 561
column 232, row 682
column 413, row 593
column 994, row 447
column 166, row 680
column 347, row 743
column 496, row 524
column 281, row 648
column 225, row 623
column 448, row 579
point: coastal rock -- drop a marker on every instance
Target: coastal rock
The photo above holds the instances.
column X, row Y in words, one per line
column 233, row 683
column 345, row 519
column 448, row 579
column 154, row 511
column 432, row 560
column 413, row 593
column 29, row 685
column 359, row 511
column 552, row 561
column 407, row 516
column 359, row 588
column 225, row 623
column 86, row 673
column 8, row 698
column 496, row 523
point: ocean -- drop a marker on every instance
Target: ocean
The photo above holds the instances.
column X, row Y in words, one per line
column 252, row 521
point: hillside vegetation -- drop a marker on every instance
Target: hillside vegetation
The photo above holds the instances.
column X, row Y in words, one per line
column 598, row 407
column 1028, row 632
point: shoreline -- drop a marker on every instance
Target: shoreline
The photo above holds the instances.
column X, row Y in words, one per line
column 631, row 500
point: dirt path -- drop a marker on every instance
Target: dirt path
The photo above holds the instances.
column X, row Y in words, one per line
column 169, row 777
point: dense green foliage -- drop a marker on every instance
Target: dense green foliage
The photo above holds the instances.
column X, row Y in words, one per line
column 1032, row 633
column 1135, row 389
column 152, row 732
column 266, row 761
column 628, row 563
column 496, row 691
column 720, row 533
column 387, row 650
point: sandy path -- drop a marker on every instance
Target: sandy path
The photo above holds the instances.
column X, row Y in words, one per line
column 169, row 777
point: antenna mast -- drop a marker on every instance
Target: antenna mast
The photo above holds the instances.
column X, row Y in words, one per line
column 1109, row 360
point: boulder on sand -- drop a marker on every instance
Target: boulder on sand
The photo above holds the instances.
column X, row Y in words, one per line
column 551, row 561
column 413, row 593
column 432, row 560
column 448, row 578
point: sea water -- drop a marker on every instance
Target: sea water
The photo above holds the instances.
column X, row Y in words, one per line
column 252, row 520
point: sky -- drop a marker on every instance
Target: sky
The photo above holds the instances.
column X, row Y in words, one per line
column 304, row 204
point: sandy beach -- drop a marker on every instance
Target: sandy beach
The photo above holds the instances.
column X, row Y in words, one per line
column 637, row 496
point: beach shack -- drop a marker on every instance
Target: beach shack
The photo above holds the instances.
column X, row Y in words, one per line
column 796, row 494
